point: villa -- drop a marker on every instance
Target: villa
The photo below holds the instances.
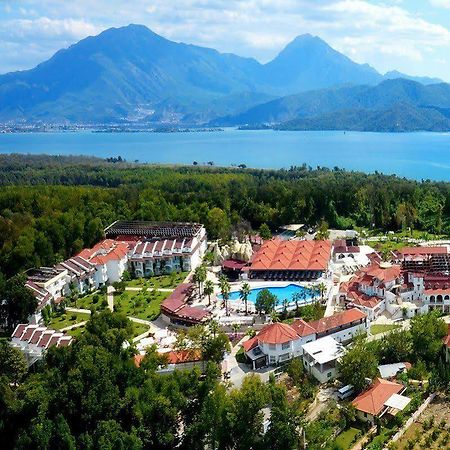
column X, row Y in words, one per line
column 320, row 358
column 80, row 273
column 277, row 343
column 383, row 397
column 281, row 260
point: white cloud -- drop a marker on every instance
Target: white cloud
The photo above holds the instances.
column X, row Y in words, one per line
column 441, row 3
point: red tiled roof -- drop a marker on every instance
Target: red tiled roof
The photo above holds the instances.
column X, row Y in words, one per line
column 19, row 330
column 342, row 318
column 104, row 251
column 233, row 264
column 251, row 343
column 303, row 328
column 360, row 299
column 373, row 399
column 386, row 274
column 278, row 254
column 422, row 251
column 183, row 356
column 436, row 291
column 277, row 333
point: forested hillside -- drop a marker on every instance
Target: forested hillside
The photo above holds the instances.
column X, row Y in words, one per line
column 51, row 207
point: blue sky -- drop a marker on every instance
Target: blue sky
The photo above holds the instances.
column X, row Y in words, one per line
column 412, row 36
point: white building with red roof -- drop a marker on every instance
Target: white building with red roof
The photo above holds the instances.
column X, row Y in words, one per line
column 279, row 259
column 280, row 342
column 109, row 257
column 382, row 397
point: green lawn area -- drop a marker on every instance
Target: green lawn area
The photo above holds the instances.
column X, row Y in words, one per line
column 67, row 319
column 160, row 282
column 139, row 328
column 143, row 305
column 346, row 438
column 376, row 329
column 96, row 301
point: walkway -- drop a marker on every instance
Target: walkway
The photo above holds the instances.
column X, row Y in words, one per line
column 76, row 325
column 110, row 297
column 78, row 310
column 148, row 289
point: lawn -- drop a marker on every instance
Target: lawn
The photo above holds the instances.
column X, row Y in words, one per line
column 376, row 329
column 139, row 328
column 346, row 438
column 67, row 319
column 96, row 301
column 140, row 304
column 160, row 282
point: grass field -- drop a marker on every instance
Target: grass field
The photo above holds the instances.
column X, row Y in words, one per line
column 376, row 329
column 67, row 319
column 143, row 305
column 346, row 438
column 160, row 282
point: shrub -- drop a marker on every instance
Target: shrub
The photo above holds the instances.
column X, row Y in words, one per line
column 73, row 317
column 95, row 299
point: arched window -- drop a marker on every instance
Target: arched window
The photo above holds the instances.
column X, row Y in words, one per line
column 432, row 298
column 439, row 298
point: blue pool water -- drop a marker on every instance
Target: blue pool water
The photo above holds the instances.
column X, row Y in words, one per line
column 281, row 293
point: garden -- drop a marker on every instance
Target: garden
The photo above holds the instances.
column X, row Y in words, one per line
column 159, row 282
column 143, row 304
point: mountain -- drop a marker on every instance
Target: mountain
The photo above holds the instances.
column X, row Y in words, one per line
column 309, row 63
column 393, row 74
column 348, row 107
column 132, row 74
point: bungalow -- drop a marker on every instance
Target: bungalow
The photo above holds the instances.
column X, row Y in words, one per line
column 80, row 273
column 320, row 358
column 35, row 340
column 382, row 397
column 177, row 360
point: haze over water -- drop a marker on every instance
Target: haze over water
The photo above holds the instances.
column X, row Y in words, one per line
column 413, row 155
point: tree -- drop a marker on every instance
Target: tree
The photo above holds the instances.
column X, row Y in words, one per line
column 209, row 290
column 265, row 302
column 119, row 286
column 321, row 287
column 244, row 293
column 12, row 362
column 264, row 232
column 357, row 364
column 19, row 301
column 218, row 224
column 225, row 290
column 395, row 346
column 322, row 232
column 427, row 331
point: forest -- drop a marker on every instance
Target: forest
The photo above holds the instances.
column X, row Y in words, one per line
column 53, row 206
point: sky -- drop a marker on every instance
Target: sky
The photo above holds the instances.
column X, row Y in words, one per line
column 412, row 36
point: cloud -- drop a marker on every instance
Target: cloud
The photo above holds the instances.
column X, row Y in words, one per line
column 441, row 3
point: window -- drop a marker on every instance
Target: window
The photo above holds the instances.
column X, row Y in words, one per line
column 285, row 346
column 365, row 414
column 272, row 347
column 272, row 360
column 329, row 374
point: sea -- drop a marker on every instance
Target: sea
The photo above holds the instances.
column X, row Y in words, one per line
column 419, row 156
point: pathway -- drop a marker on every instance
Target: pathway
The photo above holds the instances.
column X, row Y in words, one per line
column 110, row 297
column 130, row 288
column 76, row 325
column 78, row 310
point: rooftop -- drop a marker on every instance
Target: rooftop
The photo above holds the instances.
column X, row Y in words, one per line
column 336, row 320
column 324, row 350
column 152, row 229
column 373, row 399
column 277, row 333
column 104, row 251
column 278, row 254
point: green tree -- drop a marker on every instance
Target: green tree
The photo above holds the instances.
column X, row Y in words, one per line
column 265, row 302
column 225, row 291
column 357, row 364
column 200, row 277
column 12, row 362
column 427, row 331
column 218, row 224
column 264, row 232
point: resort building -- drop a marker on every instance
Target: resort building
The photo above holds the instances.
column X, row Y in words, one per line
column 383, row 397
column 50, row 279
column 390, row 371
column 157, row 248
column 176, row 311
column 109, row 258
column 34, row 340
column 279, row 259
column 320, row 358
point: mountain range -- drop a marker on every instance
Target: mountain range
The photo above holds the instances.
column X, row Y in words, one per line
column 133, row 75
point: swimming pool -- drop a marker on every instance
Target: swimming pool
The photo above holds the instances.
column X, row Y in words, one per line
column 282, row 293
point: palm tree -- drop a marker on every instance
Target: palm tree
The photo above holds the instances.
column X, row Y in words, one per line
column 225, row 290
column 244, row 293
column 297, row 297
column 200, row 277
column 214, row 327
column 235, row 327
column 321, row 287
column 274, row 317
column 209, row 290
